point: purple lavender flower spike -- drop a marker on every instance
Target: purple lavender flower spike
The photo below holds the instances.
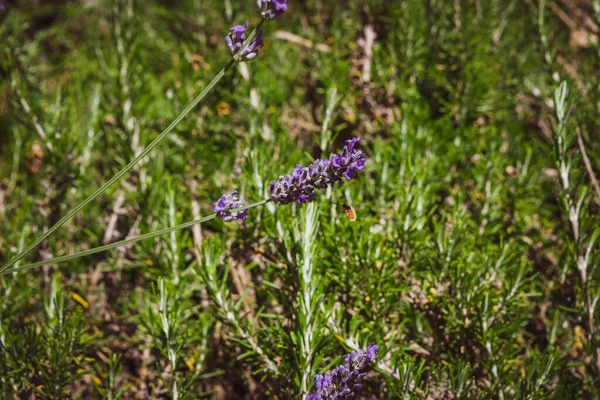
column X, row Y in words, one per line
column 228, row 202
column 345, row 379
column 271, row 9
column 300, row 186
column 237, row 36
column 235, row 40
column 251, row 51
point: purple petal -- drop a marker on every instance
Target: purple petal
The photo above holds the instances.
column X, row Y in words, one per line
column 350, row 144
column 228, row 202
column 239, row 29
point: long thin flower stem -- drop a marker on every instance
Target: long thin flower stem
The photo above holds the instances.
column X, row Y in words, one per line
column 124, row 242
column 588, row 164
column 136, row 160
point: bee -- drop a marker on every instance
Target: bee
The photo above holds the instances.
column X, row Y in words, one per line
column 348, row 210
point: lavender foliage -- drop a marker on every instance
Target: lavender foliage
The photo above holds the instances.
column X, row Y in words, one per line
column 345, row 379
column 235, row 40
column 226, row 203
column 301, row 184
column 271, row 9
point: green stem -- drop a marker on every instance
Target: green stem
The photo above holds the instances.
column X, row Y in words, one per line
column 122, row 172
column 121, row 243
column 136, row 160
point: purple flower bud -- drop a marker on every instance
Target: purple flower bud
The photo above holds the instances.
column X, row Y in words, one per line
column 271, row 9
column 360, row 359
column 228, row 202
column 345, row 379
column 235, row 40
column 251, row 51
column 301, row 184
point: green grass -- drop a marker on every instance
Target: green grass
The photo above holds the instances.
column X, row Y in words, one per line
column 473, row 263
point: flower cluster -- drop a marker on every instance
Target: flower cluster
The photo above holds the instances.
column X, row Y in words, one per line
column 229, row 202
column 344, row 379
column 235, row 40
column 272, row 8
column 301, row 184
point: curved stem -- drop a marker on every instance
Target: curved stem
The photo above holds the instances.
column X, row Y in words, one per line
column 136, row 160
column 123, row 171
column 124, row 242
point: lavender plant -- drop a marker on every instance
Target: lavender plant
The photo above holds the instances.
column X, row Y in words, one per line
column 245, row 50
column 229, row 311
column 45, row 363
column 344, row 381
column 235, row 41
column 271, row 9
column 581, row 243
column 110, row 387
column 471, row 263
column 299, row 187
column 308, row 333
column 175, row 325
column 229, row 202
